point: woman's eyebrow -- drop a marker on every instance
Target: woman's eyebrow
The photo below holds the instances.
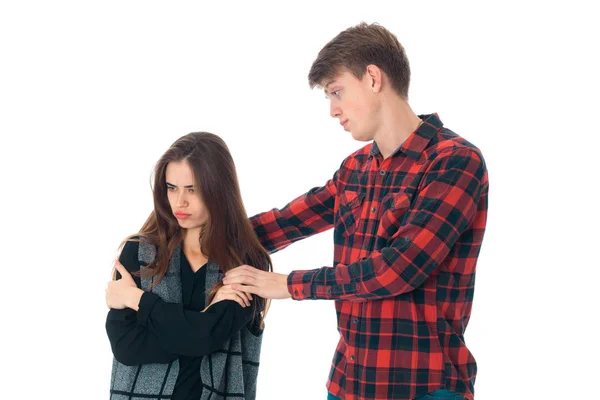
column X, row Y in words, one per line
column 185, row 187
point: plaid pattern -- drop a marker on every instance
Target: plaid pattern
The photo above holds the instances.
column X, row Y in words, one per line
column 407, row 233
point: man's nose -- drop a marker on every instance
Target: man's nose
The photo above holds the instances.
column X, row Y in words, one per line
column 334, row 110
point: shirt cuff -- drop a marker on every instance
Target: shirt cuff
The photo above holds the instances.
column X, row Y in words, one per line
column 302, row 286
column 299, row 286
column 147, row 302
column 319, row 284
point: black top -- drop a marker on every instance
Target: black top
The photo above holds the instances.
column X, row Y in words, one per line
column 160, row 332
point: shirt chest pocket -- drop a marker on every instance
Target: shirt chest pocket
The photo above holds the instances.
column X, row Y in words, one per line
column 349, row 212
column 394, row 210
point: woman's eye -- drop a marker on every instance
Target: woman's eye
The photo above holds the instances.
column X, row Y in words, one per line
column 191, row 190
column 170, row 188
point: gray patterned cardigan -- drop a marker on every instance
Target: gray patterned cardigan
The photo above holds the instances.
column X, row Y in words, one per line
column 228, row 373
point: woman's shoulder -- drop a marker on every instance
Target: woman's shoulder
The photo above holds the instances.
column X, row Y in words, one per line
column 130, row 246
column 130, row 253
column 134, row 242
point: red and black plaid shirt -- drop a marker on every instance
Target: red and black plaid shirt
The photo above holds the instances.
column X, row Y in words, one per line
column 408, row 230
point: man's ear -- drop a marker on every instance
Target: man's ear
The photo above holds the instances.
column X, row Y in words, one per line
column 374, row 74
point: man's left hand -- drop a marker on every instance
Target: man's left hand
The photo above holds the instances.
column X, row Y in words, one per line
column 268, row 285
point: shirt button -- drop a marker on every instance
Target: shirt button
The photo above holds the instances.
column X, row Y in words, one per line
column 352, row 358
column 382, row 172
column 373, row 209
column 355, row 320
column 328, row 290
column 295, row 292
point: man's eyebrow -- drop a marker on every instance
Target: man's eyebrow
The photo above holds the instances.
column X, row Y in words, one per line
column 325, row 88
column 329, row 83
column 185, row 187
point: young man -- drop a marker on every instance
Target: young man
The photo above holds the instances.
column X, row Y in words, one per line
column 408, row 212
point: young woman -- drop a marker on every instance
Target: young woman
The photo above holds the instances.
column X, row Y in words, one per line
column 175, row 331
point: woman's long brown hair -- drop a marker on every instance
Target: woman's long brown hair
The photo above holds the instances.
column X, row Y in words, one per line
column 227, row 237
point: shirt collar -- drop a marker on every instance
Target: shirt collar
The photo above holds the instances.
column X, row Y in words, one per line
column 414, row 145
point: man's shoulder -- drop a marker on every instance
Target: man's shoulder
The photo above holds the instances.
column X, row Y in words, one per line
column 448, row 142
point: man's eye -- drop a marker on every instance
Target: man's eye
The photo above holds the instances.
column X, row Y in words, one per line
column 336, row 93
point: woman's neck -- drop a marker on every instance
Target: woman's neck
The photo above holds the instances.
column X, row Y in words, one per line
column 191, row 241
column 192, row 249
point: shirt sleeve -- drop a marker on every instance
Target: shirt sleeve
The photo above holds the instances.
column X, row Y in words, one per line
column 308, row 214
column 192, row 333
column 444, row 208
column 131, row 343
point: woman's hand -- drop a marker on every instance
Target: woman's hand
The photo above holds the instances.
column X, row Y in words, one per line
column 228, row 293
column 122, row 293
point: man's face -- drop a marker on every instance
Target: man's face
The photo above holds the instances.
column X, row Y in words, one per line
column 354, row 104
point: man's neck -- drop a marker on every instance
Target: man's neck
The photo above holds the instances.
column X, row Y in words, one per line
column 398, row 123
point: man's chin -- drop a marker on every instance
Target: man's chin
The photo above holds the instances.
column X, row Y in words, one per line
column 360, row 137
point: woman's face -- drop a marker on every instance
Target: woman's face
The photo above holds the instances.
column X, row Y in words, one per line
column 184, row 196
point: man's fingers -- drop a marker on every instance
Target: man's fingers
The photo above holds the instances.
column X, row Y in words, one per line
column 243, row 270
column 243, row 278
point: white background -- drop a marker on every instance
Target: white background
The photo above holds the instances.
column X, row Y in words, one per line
column 92, row 93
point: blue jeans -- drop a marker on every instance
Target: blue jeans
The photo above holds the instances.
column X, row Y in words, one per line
column 441, row 394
